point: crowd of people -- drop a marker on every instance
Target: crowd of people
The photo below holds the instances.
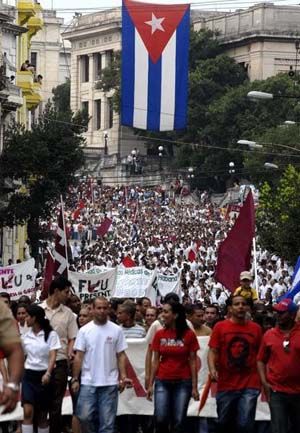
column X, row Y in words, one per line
column 253, row 337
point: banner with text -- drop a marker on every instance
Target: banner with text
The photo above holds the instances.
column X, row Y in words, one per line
column 133, row 282
column 18, row 280
column 88, row 286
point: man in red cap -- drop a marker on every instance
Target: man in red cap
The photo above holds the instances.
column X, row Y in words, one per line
column 278, row 363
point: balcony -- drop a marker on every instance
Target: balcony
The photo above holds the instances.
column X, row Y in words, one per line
column 15, row 98
column 26, row 9
column 35, row 23
column 30, row 89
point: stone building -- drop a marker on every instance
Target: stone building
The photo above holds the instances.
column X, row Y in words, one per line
column 263, row 38
column 94, row 38
column 51, row 55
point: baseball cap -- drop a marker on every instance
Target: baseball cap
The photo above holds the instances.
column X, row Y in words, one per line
column 286, row 305
column 245, row 275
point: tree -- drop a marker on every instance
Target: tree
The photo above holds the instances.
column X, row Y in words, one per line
column 62, row 97
column 110, row 79
column 45, row 160
column 278, row 216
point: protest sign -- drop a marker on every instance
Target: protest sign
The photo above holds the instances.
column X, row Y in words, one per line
column 18, row 280
column 89, row 286
column 133, row 282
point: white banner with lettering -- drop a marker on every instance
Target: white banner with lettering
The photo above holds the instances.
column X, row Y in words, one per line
column 18, row 280
column 133, row 401
column 133, row 282
column 90, row 285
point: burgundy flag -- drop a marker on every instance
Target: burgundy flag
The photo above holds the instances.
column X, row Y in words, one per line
column 103, row 228
column 60, row 253
column 48, row 273
column 234, row 252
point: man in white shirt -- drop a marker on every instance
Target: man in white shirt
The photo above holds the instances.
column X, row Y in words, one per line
column 100, row 356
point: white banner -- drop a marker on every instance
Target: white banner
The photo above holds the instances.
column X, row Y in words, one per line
column 133, row 282
column 89, row 286
column 169, row 283
column 133, row 401
column 18, row 280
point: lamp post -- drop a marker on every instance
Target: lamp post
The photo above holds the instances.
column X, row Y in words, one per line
column 105, row 134
column 270, row 165
column 134, row 166
column 160, row 155
column 231, row 166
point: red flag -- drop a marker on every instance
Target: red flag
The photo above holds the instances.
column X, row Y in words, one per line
column 103, row 228
column 191, row 255
column 60, row 253
column 128, row 262
column 48, row 274
column 234, row 252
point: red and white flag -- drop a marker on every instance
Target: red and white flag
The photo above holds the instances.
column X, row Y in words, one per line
column 60, row 252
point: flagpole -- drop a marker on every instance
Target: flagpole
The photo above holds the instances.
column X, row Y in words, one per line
column 65, row 232
column 255, row 263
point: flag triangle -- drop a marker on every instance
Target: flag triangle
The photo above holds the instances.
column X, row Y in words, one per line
column 155, row 23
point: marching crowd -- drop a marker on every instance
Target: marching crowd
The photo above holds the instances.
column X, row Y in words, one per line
column 254, row 339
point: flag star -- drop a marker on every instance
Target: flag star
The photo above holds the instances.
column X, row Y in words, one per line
column 155, row 24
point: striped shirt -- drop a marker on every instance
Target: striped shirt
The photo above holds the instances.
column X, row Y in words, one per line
column 135, row 331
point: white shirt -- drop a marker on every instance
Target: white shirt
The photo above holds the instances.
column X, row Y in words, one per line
column 37, row 349
column 100, row 344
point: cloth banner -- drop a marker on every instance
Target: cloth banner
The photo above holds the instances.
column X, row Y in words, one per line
column 169, row 283
column 133, row 282
column 88, row 285
column 133, row 401
column 18, row 280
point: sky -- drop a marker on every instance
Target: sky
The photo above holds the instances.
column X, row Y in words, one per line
column 77, row 5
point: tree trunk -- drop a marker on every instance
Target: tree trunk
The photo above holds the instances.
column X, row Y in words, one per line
column 33, row 229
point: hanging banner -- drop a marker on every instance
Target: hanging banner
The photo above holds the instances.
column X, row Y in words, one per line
column 18, row 280
column 133, row 282
column 88, row 286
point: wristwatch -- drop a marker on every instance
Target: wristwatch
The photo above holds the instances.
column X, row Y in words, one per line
column 13, row 386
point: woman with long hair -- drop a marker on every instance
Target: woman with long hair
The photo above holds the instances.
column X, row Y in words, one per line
column 174, row 375
column 40, row 346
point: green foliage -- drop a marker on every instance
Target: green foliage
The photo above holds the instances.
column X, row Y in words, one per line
column 110, row 79
column 45, row 159
column 278, row 215
column 61, row 97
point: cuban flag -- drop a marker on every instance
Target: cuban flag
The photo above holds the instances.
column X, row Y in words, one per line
column 295, row 289
column 155, row 46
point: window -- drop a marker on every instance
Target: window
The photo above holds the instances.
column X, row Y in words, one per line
column 85, row 106
column 33, row 59
column 97, row 114
column 98, row 65
column 110, row 110
column 85, row 70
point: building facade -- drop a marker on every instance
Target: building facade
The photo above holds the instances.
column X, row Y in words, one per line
column 51, row 55
column 20, row 94
column 94, row 38
column 262, row 38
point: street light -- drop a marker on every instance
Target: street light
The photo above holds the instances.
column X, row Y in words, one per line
column 191, row 173
column 105, row 134
column 251, row 144
column 255, row 145
column 231, row 167
column 270, row 165
column 259, row 95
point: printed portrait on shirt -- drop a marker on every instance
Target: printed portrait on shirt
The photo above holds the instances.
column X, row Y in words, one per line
column 238, row 351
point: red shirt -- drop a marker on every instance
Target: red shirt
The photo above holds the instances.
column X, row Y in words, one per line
column 174, row 353
column 282, row 366
column 237, row 347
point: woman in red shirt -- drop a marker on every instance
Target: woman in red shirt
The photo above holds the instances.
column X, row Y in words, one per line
column 174, row 370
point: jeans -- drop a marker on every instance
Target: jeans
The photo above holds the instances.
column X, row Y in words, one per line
column 171, row 400
column 97, row 408
column 236, row 410
column 285, row 412
column 58, row 386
